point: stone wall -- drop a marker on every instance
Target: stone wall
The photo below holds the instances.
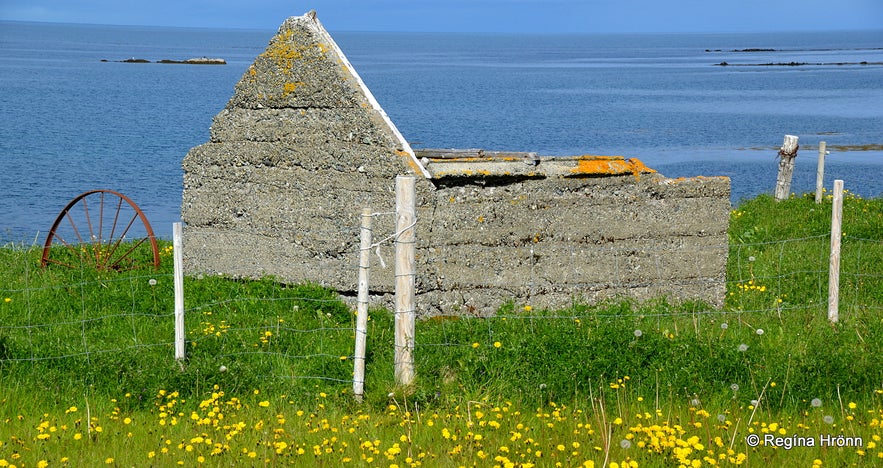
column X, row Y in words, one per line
column 547, row 240
column 302, row 147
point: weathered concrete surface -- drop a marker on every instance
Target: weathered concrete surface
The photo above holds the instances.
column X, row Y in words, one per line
column 297, row 152
column 302, row 147
column 549, row 241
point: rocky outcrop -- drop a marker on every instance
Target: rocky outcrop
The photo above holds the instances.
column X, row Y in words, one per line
column 191, row 61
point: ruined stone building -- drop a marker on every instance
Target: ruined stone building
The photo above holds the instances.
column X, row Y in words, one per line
column 303, row 146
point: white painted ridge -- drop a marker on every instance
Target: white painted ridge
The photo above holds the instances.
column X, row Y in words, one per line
column 371, row 99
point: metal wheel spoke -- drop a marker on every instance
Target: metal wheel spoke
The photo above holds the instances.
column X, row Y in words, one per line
column 103, row 250
column 72, row 248
column 67, row 214
column 124, row 256
column 122, row 236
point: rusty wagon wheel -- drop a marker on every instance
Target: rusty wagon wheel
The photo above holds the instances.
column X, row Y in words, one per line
column 104, row 229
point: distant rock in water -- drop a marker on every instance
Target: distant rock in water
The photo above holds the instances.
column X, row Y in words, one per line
column 129, row 60
column 198, row 61
column 191, row 61
column 797, row 64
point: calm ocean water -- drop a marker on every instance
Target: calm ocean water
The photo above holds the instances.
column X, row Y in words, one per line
column 72, row 123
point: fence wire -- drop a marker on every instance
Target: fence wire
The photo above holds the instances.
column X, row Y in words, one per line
column 285, row 332
column 79, row 317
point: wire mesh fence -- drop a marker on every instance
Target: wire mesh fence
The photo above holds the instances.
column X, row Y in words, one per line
column 81, row 318
column 60, row 317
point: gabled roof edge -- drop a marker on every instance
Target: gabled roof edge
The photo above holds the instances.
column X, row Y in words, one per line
column 371, row 99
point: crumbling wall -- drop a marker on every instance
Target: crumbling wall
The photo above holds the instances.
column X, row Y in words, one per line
column 302, row 147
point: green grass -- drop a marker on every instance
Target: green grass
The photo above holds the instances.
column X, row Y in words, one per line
column 102, row 342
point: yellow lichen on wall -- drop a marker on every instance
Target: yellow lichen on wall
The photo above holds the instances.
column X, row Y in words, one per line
column 290, row 87
column 609, row 165
column 287, row 53
column 410, row 161
column 284, row 51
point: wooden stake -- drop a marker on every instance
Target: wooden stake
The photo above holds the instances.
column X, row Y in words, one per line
column 405, row 274
column 365, row 239
column 820, row 172
column 178, row 258
column 834, row 265
column 786, row 167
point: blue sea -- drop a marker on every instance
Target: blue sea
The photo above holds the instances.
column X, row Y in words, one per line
column 71, row 122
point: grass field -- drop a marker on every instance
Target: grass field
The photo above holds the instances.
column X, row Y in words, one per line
column 88, row 376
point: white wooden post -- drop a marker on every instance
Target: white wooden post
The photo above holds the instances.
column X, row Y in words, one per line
column 834, row 265
column 365, row 239
column 405, row 274
column 178, row 257
column 820, row 172
column 786, row 167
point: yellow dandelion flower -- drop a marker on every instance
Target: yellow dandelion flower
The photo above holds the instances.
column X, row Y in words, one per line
column 497, row 344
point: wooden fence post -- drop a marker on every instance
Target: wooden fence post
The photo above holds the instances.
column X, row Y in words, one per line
column 786, row 167
column 178, row 259
column 365, row 239
column 820, row 172
column 834, row 264
column 405, row 275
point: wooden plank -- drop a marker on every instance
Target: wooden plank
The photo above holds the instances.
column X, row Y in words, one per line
column 469, row 153
column 445, row 153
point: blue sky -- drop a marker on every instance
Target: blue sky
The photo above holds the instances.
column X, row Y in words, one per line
column 518, row 16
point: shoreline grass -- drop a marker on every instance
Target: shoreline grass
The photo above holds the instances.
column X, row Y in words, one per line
column 614, row 384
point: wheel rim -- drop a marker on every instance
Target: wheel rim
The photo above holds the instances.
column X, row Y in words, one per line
column 104, row 229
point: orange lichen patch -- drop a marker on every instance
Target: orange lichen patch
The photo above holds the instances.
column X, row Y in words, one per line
column 410, row 161
column 284, row 51
column 609, row 165
column 289, row 87
column 281, row 50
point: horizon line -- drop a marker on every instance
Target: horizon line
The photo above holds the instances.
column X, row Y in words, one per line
column 489, row 32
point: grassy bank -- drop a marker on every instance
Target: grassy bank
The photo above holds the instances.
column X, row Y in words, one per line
column 88, row 375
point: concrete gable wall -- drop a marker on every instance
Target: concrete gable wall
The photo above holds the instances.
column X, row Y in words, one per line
column 302, row 147
column 297, row 152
